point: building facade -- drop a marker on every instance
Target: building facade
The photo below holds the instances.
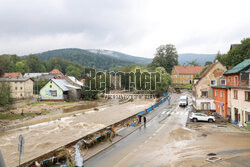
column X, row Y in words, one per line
column 182, row 75
column 59, row 90
column 20, row 88
column 238, row 83
column 203, row 95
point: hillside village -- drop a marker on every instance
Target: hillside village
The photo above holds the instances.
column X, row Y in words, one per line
column 52, row 97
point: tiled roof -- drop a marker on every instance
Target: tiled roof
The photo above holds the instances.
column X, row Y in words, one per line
column 207, row 70
column 188, row 69
column 55, row 71
column 12, row 75
column 239, row 67
column 13, row 79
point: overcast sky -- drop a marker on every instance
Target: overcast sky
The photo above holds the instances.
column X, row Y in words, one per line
column 135, row 27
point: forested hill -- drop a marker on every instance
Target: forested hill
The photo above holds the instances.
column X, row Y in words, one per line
column 123, row 56
column 85, row 58
column 199, row 58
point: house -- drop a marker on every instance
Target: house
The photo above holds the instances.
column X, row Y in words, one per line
column 72, row 80
column 20, row 87
column 12, row 75
column 184, row 74
column 34, row 75
column 59, row 90
column 56, row 74
column 203, row 96
column 238, row 83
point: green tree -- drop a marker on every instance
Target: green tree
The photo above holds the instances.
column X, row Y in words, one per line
column 165, row 82
column 38, row 85
column 35, row 64
column 22, row 67
column 73, row 71
column 166, row 56
column 193, row 63
column 208, row 63
column 89, row 94
column 236, row 55
column 5, row 94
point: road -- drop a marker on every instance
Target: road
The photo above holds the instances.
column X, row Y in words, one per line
column 148, row 146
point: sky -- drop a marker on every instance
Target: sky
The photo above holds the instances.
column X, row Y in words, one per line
column 135, row 27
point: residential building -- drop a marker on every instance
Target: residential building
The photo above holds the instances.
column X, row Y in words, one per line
column 13, row 75
column 184, row 74
column 238, row 83
column 203, row 95
column 56, row 74
column 59, row 90
column 20, row 87
column 34, row 75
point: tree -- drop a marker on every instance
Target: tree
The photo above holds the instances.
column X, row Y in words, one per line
column 35, row 64
column 208, row 63
column 1, row 71
column 22, row 67
column 193, row 63
column 165, row 81
column 73, row 71
column 38, row 85
column 5, row 97
column 236, row 55
column 89, row 94
column 166, row 56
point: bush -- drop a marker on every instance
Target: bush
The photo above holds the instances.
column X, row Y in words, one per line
column 5, row 98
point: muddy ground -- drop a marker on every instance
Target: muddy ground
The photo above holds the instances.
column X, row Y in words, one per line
column 224, row 140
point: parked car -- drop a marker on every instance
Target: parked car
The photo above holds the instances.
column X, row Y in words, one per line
column 201, row 117
column 183, row 102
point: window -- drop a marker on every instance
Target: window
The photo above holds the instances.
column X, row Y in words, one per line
column 182, row 76
column 229, row 79
column 218, row 70
column 236, row 80
column 223, row 82
column 213, row 82
column 21, row 88
column 236, row 94
column 16, row 88
column 221, row 94
column 204, row 94
column 21, row 94
column 247, row 96
column 216, row 92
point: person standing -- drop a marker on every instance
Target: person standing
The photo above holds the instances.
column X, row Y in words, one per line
column 144, row 120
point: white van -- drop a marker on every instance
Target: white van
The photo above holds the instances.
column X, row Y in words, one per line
column 183, row 102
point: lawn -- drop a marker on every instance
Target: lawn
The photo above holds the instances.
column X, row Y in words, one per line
column 189, row 86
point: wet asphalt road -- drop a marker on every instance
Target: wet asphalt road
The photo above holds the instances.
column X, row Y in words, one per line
column 167, row 119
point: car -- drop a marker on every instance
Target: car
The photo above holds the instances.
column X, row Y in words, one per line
column 183, row 102
column 201, row 117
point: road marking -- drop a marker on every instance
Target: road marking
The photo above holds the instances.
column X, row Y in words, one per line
column 158, row 130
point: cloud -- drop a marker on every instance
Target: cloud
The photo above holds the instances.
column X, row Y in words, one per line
column 135, row 27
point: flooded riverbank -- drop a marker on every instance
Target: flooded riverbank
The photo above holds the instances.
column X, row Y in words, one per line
column 42, row 138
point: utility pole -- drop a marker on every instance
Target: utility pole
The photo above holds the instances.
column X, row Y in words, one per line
column 20, row 147
column 2, row 164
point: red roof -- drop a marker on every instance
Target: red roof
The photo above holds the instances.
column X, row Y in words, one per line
column 55, row 71
column 188, row 69
column 12, row 75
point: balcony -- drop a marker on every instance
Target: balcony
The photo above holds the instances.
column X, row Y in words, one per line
column 244, row 83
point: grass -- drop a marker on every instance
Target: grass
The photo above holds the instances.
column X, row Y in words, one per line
column 12, row 116
column 189, row 86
